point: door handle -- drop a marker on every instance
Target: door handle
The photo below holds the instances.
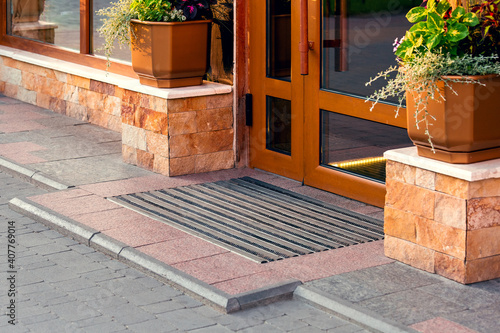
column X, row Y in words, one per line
column 304, row 36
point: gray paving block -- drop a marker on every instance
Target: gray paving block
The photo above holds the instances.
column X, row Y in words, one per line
column 54, row 274
column 180, row 279
column 148, row 297
column 286, row 323
column 261, row 328
column 75, row 284
column 91, row 293
column 212, row 329
column 162, row 307
column 128, row 314
column 36, row 319
column 123, row 286
column 186, row 320
column 108, row 327
column 75, row 311
column 476, row 296
column 310, row 329
column 324, row 321
column 376, row 281
column 101, row 275
column 105, row 303
column 484, row 320
column 350, row 311
column 412, row 306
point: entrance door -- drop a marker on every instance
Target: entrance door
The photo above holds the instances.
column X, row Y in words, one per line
column 310, row 121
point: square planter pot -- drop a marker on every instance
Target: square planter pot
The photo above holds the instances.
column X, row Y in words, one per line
column 466, row 125
column 170, row 54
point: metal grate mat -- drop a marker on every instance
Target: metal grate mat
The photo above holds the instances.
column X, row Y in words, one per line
column 258, row 220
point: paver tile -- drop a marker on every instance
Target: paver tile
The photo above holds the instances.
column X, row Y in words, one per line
column 440, row 325
column 181, row 249
column 221, row 267
column 145, row 232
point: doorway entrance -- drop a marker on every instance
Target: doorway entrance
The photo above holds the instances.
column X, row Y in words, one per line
column 309, row 61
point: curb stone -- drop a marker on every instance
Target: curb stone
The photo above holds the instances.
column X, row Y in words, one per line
column 34, row 177
column 103, row 243
column 350, row 311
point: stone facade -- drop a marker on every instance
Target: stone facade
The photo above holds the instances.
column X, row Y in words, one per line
column 172, row 136
column 443, row 224
column 191, row 136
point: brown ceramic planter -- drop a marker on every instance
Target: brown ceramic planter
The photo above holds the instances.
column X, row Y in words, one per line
column 467, row 124
column 170, row 54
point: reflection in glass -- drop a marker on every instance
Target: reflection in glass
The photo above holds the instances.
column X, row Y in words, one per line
column 279, row 39
column 357, row 38
column 357, row 145
column 49, row 21
column 279, row 125
column 119, row 52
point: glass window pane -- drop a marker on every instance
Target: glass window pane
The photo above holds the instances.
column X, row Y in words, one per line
column 119, row 53
column 357, row 38
column 279, row 41
column 357, row 145
column 50, row 21
column 279, row 125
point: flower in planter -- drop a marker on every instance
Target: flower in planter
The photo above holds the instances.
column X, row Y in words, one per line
column 443, row 41
column 195, row 9
column 116, row 21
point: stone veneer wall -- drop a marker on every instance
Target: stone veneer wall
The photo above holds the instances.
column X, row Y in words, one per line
column 96, row 102
column 194, row 135
column 169, row 136
column 442, row 224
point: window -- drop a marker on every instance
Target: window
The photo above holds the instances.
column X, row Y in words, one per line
column 67, row 29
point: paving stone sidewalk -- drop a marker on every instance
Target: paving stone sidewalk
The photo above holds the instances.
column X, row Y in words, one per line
column 64, row 286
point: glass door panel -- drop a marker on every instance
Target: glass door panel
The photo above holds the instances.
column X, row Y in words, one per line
column 279, row 39
column 356, row 145
column 357, row 38
column 354, row 39
column 356, row 42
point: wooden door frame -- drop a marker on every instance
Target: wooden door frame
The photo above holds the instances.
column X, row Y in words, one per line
column 329, row 179
column 262, row 86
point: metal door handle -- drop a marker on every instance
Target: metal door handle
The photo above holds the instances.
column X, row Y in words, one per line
column 304, row 36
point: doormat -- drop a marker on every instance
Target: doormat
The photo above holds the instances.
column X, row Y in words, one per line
column 255, row 219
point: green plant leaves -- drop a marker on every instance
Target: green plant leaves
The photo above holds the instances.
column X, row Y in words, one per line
column 436, row 28
column 416, row 14
column 470, row 19
column 457, row 32
column 435, row 22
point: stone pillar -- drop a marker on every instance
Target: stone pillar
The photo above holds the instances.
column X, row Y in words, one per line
column 443, row 218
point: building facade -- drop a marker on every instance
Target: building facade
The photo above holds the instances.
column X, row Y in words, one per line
column 293, row 103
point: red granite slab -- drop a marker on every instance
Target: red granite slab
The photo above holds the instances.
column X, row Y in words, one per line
column 144, row 232
column 221, row 267
column 14, row 106
column 18, row 116
column 112, row 219
column 13, row 127
column 78, row 205
column 327, row 263
column 158, row 182
column 251, row 282
column 182, row 249
column 441, row 325
column 48, row 198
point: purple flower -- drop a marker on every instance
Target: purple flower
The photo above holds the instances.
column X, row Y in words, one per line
column 195, row 9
